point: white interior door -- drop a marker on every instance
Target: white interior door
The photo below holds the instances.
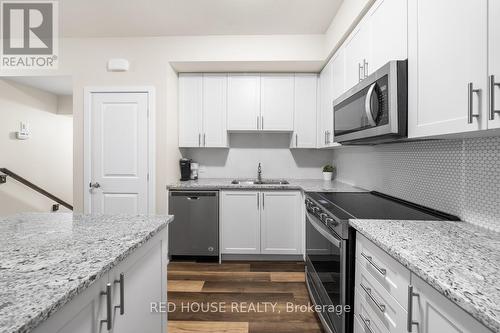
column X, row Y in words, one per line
column 119, row 153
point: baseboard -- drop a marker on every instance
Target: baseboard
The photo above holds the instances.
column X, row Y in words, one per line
column 263, row 257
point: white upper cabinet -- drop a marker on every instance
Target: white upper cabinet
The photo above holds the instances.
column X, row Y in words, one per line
column 447, row 66
column 387, row 23
column 277, row 100
column 357, row 54
column 243, row 102
column 306, row 93
column 380, row 37
column 214, row 110
column 325, row 119
column 190, row 109
column 494, row 64
column 338, row 73
column 202, row 110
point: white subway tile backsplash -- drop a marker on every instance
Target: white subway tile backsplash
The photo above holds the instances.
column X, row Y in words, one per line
column 460, row 177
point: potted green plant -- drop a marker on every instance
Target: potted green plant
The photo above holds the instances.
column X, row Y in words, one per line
column 328, row 172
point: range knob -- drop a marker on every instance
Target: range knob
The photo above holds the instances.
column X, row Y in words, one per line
column 330, row 221
column 315, row 209
column 323, row 216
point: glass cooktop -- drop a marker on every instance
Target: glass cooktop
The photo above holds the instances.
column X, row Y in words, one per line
column 374, row 205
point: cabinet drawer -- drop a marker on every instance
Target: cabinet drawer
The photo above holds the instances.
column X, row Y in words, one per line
column 364, row 320
column 391, row 275
column 383, row 306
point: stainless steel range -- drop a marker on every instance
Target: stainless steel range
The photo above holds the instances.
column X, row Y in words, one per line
column 330, row 246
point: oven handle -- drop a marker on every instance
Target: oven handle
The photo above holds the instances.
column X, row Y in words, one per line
column 319, row 228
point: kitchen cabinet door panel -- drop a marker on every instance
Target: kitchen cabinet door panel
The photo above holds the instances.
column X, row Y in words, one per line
column 281, row 223
column 277, row 102
column 494, row 61
column 190, row 109
column 447, row 50
column 306, row 93
column 243, row 102
column 240, row 222
column 214, row 110
column 142, row 285
column 325, row 119
column 434, row 313
column 388, row 30
column 357, row 51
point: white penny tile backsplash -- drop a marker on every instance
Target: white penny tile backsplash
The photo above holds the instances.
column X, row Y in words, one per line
column 460, row 177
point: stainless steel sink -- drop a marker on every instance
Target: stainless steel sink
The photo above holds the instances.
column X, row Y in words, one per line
column 261, row 182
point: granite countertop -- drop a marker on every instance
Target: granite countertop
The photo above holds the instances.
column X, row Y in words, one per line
column 307, row 185
column 459, row 259
column 46, row 259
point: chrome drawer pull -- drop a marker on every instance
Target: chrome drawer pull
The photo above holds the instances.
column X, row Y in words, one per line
column 108, row 320
column 493, row 84
column 366, row 322
column 470, row 102
column 409, row 320
column 368, row 291
column 368, row 258
column 121, row 281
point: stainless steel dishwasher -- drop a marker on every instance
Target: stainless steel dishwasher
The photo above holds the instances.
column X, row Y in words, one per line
column 195, row 230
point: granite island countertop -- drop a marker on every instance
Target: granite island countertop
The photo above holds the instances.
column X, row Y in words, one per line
column 458, row 259
column 307, row 185
column 46, row 259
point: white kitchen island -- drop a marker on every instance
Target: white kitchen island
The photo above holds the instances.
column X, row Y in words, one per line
column 80, row 273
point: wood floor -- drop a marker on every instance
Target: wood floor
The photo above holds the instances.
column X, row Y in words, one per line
column 239, row 297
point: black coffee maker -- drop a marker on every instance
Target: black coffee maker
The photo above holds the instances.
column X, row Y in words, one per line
column 185, row 164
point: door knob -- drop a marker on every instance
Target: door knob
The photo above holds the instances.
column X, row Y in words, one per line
column 94, row 185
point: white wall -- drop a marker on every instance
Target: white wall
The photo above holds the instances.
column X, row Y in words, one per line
column 46, row 159
column 271, row 150
column 85, row 60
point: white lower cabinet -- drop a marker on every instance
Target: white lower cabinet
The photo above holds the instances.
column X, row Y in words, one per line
column 435, row 314
column 280, row 223
column 240, row 222
column 144, row 281
column 379, row 304
column 255, row 222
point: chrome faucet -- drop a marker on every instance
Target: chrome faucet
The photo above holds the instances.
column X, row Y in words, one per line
column 259, row 173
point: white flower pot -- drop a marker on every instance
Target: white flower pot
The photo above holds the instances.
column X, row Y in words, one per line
column 327, row 176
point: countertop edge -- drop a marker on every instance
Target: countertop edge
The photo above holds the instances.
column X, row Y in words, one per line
column 464, row 304
column 45, row 314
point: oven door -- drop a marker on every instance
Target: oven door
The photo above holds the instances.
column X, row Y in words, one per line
column 326, row 268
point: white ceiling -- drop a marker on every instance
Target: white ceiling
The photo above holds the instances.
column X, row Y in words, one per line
column 57, row 85
column 134, row 18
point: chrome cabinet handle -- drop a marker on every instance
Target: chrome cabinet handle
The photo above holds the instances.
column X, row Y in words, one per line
column 409, row 320
column 121, row 281
column 365, row 69
column 204, row 140
column 261, row 122
column 258, row 201
column 493, row 84
column 263, row 201
column 257, row 122
column 94, row 185
column 109, row 308
column 366, row 322
column 470, row 102
column 199, row 139
column 368, row 291
column 296, row 140
column 368, row 258
column 359, row 72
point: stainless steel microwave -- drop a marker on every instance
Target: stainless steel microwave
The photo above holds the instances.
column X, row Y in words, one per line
column 376, row 109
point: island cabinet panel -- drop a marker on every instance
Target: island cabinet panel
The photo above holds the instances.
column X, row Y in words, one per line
column 144, row 282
